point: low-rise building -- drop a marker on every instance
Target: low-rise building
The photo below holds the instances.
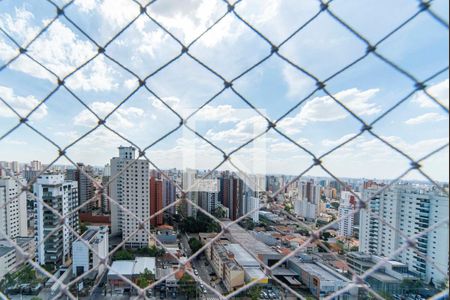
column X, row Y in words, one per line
column 387, row 278
column 264, row 253
column 84, row 259
column 170, row 280
column 10, row 258
column 7, row 260
column 166, row 235
column 270, row 216
column 321, row 280
column 226, row 268
column 251, row 267
column 130, row 269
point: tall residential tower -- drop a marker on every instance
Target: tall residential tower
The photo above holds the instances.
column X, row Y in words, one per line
column 410, row 210
column 130, row 189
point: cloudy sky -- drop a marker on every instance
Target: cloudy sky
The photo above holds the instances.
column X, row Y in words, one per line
column 369, row 88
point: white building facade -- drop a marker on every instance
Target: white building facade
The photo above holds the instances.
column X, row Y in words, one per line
column 346, row 214
column 254, row 203
column 62, row 196
column 308, row 203
column 13, row 208
column 130, row 189
column 85, row 259
column 411, row 210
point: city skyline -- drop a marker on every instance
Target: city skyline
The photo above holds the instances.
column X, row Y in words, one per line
column 63, row 168
column 417, row 127
column 215, row 149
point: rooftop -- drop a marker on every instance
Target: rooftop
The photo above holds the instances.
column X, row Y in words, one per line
column 132, row 267
column 5, row 250
column 324, row 273
column 244, row 238
column 383, row 277
column 242, row 257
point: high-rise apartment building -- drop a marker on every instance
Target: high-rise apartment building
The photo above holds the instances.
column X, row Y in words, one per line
column 346, row 214
column 411, row 210
column 36, row 165
column 86, row 188
column 209, row 201
column 13, row 208
column 62, row 196
column 308, row 203
column 253, row 204
column 156, row 200
column 189, row 179
column 169, row 196
column 231, row 194
column 15, row 167
column 106, row 177
column 130, row 189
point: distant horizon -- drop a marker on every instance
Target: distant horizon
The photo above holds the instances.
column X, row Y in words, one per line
column 72, row 167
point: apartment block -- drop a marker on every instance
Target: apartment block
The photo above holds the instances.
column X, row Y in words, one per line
column 346, row 214
column 13, row 208
column 62, row 196
column 307, row 204
column 10, row 258
column 226, row 268
column 411, row 210
column 86, row 188
column 130, row 189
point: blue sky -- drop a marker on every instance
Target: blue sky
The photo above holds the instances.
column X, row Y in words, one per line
column 369, row 88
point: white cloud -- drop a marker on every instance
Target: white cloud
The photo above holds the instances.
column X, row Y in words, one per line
column 440, row 91
column 86, row 5
column 123, row 118
column 119, row 12
column 60, row 50
column 241, row 133
column 19, row 25
column 151, row 40
column 220, row 113
column 189, row 19
column 368, row 157
column 334, row 143
column 371, row 149
column 288, row 147
column 173, row 102
column 426, row 118
column 23, row 105
column 297, row 84
column 97, row 76
column 326, row 109
column 14, row 142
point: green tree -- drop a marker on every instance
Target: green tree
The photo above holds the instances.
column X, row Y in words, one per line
column 187, row 286
column 152, row 251
column 248, row 224
column 200, row 224
column 410, row 285
column 36, row 298
column 195, row 245
column 288, row 207
column 219, row 213
column 254, row 292
column 145, row 279
column 123, row 255
column 326, row 236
